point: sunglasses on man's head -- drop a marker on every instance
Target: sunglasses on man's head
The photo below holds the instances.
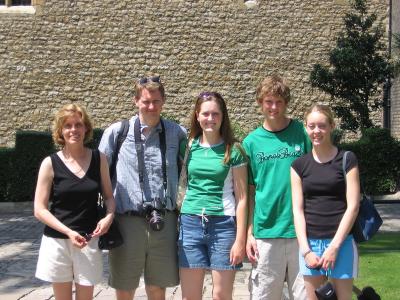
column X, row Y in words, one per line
column 209, row 94
column 145, row 80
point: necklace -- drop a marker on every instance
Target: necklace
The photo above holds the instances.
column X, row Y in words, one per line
column 72, row 164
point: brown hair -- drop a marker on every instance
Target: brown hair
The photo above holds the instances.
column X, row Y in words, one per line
column 225, row 130
column 323, row 109
column 274, row 85
column 59, row 120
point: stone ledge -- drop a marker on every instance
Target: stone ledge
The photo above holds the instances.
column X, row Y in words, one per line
column 30, row 10
column 15, row 207
column 389, row 197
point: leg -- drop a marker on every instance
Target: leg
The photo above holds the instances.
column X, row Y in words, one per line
column 127, row 261
column 311, row 283
column 343, row 288
column 124, row 294
column 155, row 292
column 192, row 283
column 62, row 290
column 161, row 260
column 223, row 284
column 294, row 279
column 268, row 275
column 346, row 269
column 83, row 292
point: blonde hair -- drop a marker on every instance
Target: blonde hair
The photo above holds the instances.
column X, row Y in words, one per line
column 152, row 83
column 323, row 109
column 274, row 85
column 65, row 112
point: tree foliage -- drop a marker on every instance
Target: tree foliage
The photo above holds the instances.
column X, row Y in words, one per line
column 358, row 66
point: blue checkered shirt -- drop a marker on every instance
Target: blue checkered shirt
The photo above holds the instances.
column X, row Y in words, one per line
column 126, row 186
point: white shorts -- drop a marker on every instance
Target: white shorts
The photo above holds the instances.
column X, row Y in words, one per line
column 60, row 261
column 278, row 262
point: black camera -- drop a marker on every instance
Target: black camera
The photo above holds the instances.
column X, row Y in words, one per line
column 154, row 212
column 326, row 292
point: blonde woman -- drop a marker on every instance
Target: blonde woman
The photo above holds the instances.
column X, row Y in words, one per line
column 325, row 205
column 72, row 179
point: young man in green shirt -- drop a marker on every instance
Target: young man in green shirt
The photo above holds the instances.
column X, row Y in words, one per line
column 271, row 243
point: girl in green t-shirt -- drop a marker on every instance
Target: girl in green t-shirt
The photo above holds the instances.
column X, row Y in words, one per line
column 213, row 214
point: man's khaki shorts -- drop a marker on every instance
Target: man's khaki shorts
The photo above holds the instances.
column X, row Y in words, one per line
column 278, row 262
column 154, row 252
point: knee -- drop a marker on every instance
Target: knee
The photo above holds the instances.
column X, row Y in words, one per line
column 155, row 292
column 221, row 295
column 124, row 294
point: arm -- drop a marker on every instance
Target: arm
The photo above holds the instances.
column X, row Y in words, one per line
column 240, row 187
column 104, row 224
column 41, row 202
column 353, row 202
column 251, row 245
column 109, row 140
column 310, row 257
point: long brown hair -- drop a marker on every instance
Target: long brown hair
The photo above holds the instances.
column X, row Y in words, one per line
column 225, row 130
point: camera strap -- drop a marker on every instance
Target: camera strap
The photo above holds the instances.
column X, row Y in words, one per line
column 140, row 154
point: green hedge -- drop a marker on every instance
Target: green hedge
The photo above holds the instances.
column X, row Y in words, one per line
column 97, row 134
column 5, row 165
column 30, row 149
column 21, row 164
column 378, row 154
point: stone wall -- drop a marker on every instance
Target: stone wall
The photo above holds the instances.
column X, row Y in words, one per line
column 92, row 51
column 395, row 96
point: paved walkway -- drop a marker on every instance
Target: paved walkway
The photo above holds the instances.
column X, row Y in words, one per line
column 19, row 243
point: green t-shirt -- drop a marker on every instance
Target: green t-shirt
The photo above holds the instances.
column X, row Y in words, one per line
column 210, row 181
column 271, row 155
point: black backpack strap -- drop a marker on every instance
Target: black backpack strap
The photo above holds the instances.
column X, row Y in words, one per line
column 121, row 136
column 163, row 148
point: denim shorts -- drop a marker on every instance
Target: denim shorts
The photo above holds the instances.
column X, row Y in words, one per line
column 346, row 264
column 205, row 242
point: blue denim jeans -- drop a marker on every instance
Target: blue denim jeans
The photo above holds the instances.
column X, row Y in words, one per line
column 205, row 242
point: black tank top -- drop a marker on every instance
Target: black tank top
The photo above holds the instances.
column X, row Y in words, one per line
column 74, row 199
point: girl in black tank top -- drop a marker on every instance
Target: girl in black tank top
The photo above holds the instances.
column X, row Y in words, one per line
column 324, row 208
column 72, row 178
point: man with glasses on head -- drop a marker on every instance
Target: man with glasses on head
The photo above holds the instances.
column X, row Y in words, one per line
column 145, row 185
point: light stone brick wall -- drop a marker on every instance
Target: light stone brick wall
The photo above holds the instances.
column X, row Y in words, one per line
column 395, row 95
column 91, row 51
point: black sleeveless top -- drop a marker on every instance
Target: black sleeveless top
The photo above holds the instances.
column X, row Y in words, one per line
column 74, row 199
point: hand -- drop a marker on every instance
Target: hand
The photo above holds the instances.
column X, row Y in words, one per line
column 76, row 239
column 103, row 225
column 329, row 257
column 312, row 261
column 238, row 251
column 251, row 249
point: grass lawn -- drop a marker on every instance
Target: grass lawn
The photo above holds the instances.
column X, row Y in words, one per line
column 380, row 265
